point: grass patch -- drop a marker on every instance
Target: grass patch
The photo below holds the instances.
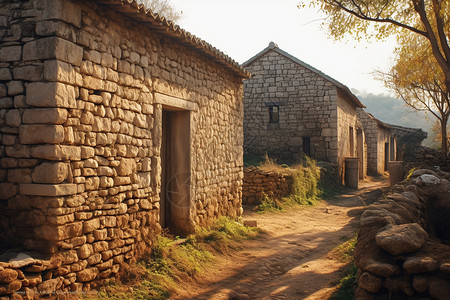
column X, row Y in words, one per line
column 345, row 286
column 344, row 253
column 305, row 185
column 174, row 260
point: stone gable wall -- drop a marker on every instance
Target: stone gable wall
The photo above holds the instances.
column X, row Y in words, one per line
column 307, row 108
column 80, row 135
column 310, row 106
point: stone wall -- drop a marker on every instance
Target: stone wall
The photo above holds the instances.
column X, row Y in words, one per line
column 403, row 247
column 307, row 104
column 347, row 129
column 83, row 93
column 258, row 183
column 428, row 157
column 376, row 137
column 310, row 106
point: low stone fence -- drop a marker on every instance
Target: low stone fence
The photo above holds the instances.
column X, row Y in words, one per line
column 258, row 183
column 429, row 157
column 22, row 275
column 403, row 247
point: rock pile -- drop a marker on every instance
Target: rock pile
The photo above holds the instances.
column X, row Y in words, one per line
column 403, row 244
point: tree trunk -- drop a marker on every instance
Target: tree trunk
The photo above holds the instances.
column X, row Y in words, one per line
column 444, row 142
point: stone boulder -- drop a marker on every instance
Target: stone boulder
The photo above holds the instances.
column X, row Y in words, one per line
column 400, row 239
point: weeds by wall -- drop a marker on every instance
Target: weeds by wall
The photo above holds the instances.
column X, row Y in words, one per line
column 272, row 186
column 173, row 261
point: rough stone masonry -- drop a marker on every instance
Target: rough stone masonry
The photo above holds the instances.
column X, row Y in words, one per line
column 113, row 124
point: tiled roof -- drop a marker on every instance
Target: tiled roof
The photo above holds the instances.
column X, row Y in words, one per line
column 380, row 123
column 137, row 12
column 274, row 47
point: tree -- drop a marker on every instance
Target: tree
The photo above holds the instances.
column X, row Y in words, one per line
column 437, row 135
column 381, row 18
column 417, row 79
column 163, row 8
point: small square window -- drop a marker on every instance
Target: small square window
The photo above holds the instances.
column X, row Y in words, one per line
column 274, row 114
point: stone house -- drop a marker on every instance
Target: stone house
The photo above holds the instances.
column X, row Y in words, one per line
column 408, row 140
column 387, row 142
column 291, row 109
column 114, row 123
column 381, row 142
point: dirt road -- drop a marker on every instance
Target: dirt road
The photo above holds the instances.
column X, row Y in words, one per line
column 293, row 261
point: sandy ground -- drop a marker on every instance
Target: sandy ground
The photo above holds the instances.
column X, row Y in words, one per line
column 293, row 259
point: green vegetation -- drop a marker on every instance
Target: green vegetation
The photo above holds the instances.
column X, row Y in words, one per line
column 345, row 286
column 175, row 260
column 344, row 253
column 310, row 182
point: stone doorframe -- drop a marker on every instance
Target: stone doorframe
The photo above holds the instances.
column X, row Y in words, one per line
column 177, row 182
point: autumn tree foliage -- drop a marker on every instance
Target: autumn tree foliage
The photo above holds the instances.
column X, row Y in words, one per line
column 163, row 8
column 417, row 79
column 428, row 19
column 436, row 134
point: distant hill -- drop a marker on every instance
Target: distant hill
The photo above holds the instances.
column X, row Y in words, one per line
column 394, row 111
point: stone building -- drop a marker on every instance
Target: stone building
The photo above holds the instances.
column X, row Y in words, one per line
column 387, row 142
column 381, row 142
column 114, row 123
column 291, row 109
column 408, row 140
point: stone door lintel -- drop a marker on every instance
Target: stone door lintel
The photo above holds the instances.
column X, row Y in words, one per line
column 175, row 103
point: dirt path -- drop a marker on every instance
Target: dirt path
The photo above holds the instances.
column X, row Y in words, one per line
column 293, row 261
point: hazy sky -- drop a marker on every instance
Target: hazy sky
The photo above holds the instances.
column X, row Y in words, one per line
column 242, row 28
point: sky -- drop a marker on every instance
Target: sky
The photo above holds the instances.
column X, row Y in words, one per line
column 242, row 28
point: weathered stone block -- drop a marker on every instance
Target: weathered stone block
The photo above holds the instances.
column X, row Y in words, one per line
column 59, row 233
column 87, row 152
column 15, row 87
column 400, row 239
column 56, row 152
column 91, row 225
column 53, row 47
column 48, row 287
column 127, row 166
column 87, row 274
column 30, row 73
column 66, row 11
column 100, row 235
column 10, row 288
column 41, row 134
column 11, row 53
column 50, row 94
column 8, row 275
column 8, row 190
column 19, row 175
column 12, row 118
column 6, row 102
column 45, row 116
column 50, row 172
column 85, row 251
column 5, row 74
column 48, row 189
column 94, row 259
column 55, row 70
